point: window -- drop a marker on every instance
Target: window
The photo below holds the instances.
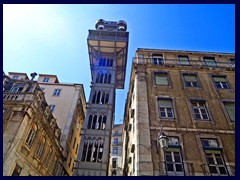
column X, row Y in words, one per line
column 100, row 97
column 48, row 157
column 232, row 62
column 17, row 88
column 200, row 110
column 115, row 141
column 210, row 61
column 157, row 59
column 45, row 79
column 220, row 82
column 97, row 122
column 115, row 150
column 52, row 107
column 165, row 106
column 42, row 88
column 56, row 92
column 40, row 148
column 15, row 77
column 17, row 170
column 183, row 60
column 114, row 162
column 173, row 159
column 92, row 150
column 31, row 135
column 190, row 80
column 161, row 78
column 213, row 154
column 53, row 166
column 116, row 133
column 230, row 108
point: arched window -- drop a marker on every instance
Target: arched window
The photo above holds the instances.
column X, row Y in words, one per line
column 109, row 78
column 99, row 122
column 111, row 62
column 31, row 135
column 98, row 78
column 100, row 62
column 104, row 62
column 98, row 97
column 105, row 77
column 92, row 150
column 40, row 147
column 107, row 98
column 94, row 122
column 102, row 98
column 101, row 78
column 94, row 97
column 48, row 157
column 104, row 122
column 108, row 62
column 89, row 122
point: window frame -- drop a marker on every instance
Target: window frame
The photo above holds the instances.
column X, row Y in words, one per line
column 157, row 58
column 226, row 111
column 221, row 83
column 57, row 92
column 52, row 107
column 40, row 148
column 31, row 135
column 173, row 111
column 180, row 62
column 156, row 73
column 212, row 58
column 45, row 79
column 115, row 150
column 200, row 112
column 184, row 81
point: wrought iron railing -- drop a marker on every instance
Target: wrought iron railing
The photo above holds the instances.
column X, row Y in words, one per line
column 176, row 63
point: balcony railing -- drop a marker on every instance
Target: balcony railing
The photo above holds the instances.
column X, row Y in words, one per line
column 176, row 169
column 177, row 63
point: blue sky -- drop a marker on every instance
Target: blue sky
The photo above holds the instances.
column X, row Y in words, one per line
column 52, row 39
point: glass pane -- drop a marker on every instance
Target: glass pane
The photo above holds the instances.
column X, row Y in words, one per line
column 177, row 157
column 213, row 169
column 230, row 107
column 210, row 160
column 219, row 160
column 169, row 157
column 198, row 116
column 161, row 79
column 222, row 170
column 179, row 167
column 169, row 167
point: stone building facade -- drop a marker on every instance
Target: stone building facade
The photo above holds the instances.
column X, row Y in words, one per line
column 68, row 104
column 115, row 167
column 31, row 135
column 190, row 97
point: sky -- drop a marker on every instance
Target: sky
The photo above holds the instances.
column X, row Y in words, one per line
column 52, row 38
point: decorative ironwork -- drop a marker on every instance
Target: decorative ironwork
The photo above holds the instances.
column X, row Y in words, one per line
column 176, row 63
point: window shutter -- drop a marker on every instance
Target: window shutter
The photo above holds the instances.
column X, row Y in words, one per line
column 190, row 77
column 231, row 110
column 165, row 103
column 219, row 78
column 161, row 79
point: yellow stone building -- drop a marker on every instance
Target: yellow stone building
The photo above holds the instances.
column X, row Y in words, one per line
column 31, row 135
column 190, row 97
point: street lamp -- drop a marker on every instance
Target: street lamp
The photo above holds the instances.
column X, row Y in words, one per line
column 162, row 139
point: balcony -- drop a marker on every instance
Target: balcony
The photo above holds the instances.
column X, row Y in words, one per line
column 177, row 63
